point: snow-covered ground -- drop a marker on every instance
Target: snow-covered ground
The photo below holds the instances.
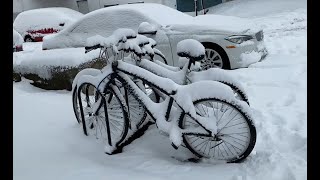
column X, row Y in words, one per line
column 49, row 144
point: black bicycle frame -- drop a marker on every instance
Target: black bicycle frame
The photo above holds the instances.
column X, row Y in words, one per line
column 151, row 84
column 105, row 110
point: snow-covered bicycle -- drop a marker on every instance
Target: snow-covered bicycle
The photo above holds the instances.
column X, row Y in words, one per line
column 210, row 123
column 190, row 73
column 157, row 65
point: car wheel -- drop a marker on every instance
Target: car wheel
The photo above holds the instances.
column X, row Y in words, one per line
column 28, row 39
column 215, row 57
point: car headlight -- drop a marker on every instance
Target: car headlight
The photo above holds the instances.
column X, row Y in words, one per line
column 238, row 39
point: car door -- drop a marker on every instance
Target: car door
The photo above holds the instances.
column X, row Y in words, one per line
column 174, row 39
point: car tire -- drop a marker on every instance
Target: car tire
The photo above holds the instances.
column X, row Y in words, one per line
column 215, row 57
column 28, row 39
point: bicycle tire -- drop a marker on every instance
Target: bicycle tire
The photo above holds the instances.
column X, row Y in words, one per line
column 239, row 94
column 116, row 122
column 137, row 112
column 218, row 140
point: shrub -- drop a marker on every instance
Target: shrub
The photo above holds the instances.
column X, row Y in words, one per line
column 54, row 77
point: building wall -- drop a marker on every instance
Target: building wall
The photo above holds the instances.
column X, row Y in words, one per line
column 96, row 4
column 188, row 5
column 23, row 5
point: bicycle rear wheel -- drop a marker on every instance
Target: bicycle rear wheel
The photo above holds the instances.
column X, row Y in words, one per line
column 236, row 134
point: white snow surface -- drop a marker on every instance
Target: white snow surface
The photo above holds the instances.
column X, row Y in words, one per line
column 49, row 144
column 37, row 19
column 248, row 58
column 256, row 8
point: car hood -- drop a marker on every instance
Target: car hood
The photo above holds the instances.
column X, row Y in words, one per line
column 229, row 25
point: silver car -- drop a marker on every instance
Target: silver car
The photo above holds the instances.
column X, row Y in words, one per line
column 230, row 42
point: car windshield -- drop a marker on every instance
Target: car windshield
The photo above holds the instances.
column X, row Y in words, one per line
column 129, row 16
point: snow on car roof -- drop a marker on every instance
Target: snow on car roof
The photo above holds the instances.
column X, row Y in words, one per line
column 45, row 18
column 156, row 13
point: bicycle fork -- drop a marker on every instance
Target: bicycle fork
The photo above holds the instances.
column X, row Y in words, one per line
column 167, row 117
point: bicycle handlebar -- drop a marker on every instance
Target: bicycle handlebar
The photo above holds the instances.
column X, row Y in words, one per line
column 90, row 48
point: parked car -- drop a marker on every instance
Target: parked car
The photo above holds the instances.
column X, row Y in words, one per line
column 34, row 24
column 230, row 42
column 17, row 41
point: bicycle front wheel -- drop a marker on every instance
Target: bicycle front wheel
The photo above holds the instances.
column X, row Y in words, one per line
column 104, row 116
column 236, row 134
column 88, row 97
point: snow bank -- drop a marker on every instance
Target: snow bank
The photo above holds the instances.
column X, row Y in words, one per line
column 257, row 8
column 248, row 58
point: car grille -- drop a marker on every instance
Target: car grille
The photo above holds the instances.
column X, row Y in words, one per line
column 259, row 36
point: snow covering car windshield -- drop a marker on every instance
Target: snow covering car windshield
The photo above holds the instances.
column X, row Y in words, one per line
column 128, row 16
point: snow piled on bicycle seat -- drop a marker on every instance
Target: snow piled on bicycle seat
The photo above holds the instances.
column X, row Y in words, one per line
column 146, row 27
column 190, row 47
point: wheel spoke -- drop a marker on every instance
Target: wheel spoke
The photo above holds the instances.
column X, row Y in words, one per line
column 232, row 139
column 96, row 120
column 212, row 59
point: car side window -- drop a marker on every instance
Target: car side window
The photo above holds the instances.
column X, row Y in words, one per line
column 108, row 22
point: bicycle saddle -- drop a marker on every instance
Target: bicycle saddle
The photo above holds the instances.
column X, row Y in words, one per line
column 191, row 49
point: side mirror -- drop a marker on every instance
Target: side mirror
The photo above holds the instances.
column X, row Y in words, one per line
column 147, row 28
